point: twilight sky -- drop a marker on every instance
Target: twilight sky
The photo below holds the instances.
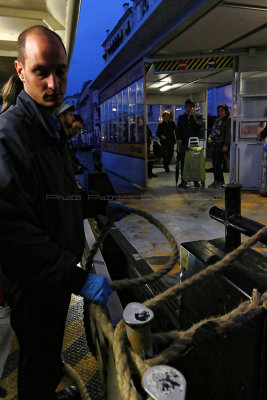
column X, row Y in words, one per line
column 95, row 17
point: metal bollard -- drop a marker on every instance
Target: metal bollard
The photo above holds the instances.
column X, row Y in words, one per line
column 138, row 319
column 164, row 383
column 232, row 206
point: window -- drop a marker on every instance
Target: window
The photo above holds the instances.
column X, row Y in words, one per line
column 153, row 112
column 132, row 100
column 140, row 96
column 125, row 101
column 122, row 116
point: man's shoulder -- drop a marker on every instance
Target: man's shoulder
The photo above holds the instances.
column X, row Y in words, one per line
column 20, row 118
column 14, row 115
column 18, row 112
column 13, row 120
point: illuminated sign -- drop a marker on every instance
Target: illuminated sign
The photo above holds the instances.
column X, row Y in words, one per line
column 192, row 64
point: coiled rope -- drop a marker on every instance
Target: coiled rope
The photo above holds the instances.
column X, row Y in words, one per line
column 177, row 342
column 123, row 284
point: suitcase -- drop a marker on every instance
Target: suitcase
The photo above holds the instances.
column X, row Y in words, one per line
column 194, row 162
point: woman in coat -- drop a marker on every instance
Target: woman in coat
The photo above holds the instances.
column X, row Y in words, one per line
column 220, row 140
column 166, row 134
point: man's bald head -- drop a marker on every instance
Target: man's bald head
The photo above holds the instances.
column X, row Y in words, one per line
column 37, row 30
column 42, row 66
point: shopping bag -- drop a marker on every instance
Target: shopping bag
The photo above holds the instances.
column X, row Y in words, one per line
column 194, row 164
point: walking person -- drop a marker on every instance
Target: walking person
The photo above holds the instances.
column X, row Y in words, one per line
column 41, row 235
column 166, row 133
column 220, row 141
column 188, row 125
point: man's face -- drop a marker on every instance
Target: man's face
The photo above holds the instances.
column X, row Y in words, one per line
column 76, row 128
column 44, row 73
column 67, row 119
column 189, row 108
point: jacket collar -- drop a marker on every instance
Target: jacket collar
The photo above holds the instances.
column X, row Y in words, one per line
column 39, row 114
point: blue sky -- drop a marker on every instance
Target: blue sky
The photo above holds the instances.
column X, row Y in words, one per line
column 87, row 61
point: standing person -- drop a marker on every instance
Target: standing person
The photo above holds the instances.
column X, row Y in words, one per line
column 220, row 141
column 71, row 128
column 10, row 92
column 66, row 116
column 140, row 130
column 150, row 158
column 76, row 128
column 132, row 130
column 166, row 133
column 188, row 125
column 41, row 235
column 77, row 125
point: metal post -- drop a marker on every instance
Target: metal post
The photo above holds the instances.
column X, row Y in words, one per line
column 240, row 224
column 138, row 319
column 163, row 382
column 232, row 206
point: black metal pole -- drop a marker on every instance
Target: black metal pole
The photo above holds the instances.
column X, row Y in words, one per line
column 232, row 206
column 245, row 226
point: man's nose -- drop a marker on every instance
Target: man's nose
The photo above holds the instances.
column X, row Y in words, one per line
column 52, row 81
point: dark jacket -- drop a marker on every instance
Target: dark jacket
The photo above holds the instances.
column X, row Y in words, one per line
column 221, row 134
column 76, row 165
column 41, row 209
column 167, row 129
column 188, row 126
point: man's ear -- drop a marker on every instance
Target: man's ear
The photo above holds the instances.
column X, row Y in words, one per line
column 20, row 70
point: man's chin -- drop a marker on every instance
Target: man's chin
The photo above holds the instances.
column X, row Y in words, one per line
column 54, row 102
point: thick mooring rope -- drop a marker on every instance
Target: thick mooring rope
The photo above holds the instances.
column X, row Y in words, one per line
column 185, row 340
column 178, row 342
column 209, row 272
column 208, row 328
column 124, row 284
column 181, row 341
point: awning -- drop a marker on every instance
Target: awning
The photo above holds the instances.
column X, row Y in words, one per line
column 16, row 15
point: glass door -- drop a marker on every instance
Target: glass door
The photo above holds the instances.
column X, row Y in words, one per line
column 250, row 117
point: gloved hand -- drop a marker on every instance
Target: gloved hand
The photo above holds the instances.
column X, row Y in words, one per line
column 96, row 288
column 117, row 209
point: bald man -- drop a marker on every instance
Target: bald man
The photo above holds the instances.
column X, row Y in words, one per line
column 41, row 234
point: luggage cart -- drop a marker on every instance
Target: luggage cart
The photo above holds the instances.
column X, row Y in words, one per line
column 194, row 162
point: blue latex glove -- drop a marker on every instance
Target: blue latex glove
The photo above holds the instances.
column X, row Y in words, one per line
column 96, row 288
column 118, row 210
